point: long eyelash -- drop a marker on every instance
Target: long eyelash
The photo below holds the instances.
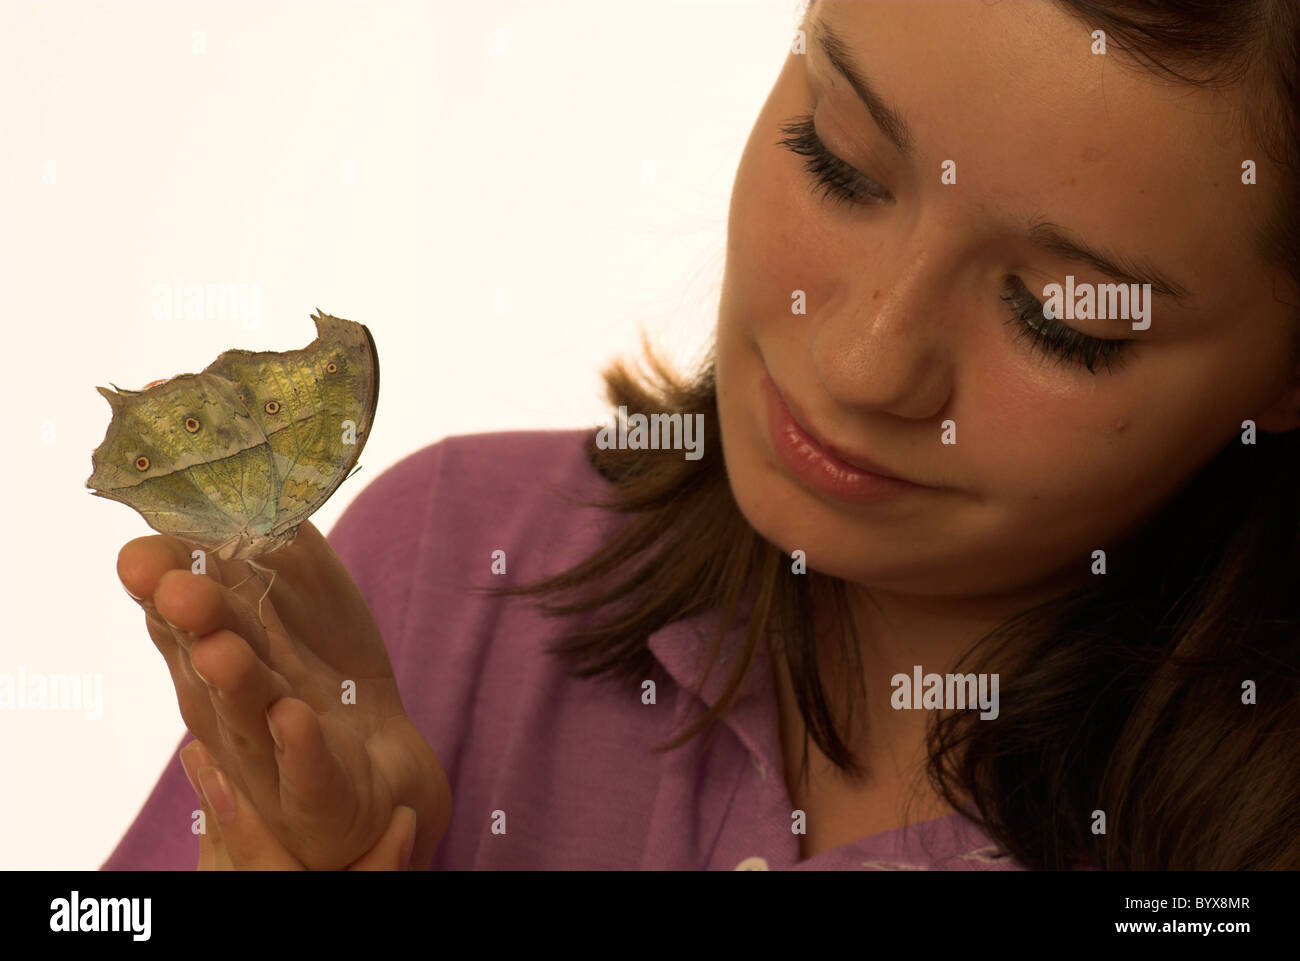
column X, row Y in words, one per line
column 830, row 174
column 1070, row 346
column 843, row 184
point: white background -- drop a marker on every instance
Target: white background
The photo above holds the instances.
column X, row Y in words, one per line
column 504, row 192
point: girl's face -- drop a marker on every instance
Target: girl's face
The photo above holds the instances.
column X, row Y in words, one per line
column 907, row 341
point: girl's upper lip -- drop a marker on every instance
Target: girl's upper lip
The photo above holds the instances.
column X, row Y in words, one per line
column 852, row 460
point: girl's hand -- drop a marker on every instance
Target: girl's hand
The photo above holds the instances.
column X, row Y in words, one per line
column 243, row 842
column 319, row 671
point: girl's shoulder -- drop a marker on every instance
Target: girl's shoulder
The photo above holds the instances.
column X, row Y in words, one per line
column 475, row 472
column 467, row 513
column 465, row 481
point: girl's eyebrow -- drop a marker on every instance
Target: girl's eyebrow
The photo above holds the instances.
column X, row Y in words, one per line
column 886, row 116
column 1042, row 233
column 1126, row 270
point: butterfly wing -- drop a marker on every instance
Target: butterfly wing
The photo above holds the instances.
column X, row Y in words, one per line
column 315, row 407
column 188, row 458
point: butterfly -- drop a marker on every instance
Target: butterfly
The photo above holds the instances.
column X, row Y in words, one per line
column 235, row 458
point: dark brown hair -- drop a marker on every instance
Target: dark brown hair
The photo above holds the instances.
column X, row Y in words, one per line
column 1125, row 696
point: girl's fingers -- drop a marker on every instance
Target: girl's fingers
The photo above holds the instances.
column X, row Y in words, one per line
column 141, row 563
column 197, row 606
column 313, row 784
column 392, row 852
column 180, row 608
column 240, row 841
column 199, row 625
column 191, row 693
column 239, row 837
column 242, row 687
column 209, row 841
column 205, row 854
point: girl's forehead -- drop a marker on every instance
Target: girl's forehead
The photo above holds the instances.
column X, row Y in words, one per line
column 1042, row 128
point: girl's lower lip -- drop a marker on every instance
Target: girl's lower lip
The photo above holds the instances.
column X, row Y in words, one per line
column 816, row 466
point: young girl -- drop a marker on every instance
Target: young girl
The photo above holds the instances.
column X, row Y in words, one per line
column 988, row 557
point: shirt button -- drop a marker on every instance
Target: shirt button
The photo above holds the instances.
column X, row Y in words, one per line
column 752, row 864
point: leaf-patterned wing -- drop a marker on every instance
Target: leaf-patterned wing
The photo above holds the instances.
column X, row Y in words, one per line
column 315, row 406
column 186, row 456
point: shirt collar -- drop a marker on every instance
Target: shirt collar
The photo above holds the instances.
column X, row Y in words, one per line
column 682, row 649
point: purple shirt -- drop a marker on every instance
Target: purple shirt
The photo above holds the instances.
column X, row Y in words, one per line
column 566, row 759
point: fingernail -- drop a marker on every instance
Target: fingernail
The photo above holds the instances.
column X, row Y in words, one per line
column 189, row 761
column 202, row 755
column 217, row 790
column 130, row 595
column 275, row 731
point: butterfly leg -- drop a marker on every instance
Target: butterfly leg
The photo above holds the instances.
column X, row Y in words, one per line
column 246, row 579
column 219, row 550
column 258, row 568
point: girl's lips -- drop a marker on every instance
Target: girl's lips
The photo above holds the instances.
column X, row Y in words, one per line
column 816, row 464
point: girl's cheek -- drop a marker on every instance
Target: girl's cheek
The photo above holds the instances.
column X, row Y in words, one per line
column 777, row 246
column 774, row 215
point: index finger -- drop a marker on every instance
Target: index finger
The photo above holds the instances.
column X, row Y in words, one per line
column 142, row 562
